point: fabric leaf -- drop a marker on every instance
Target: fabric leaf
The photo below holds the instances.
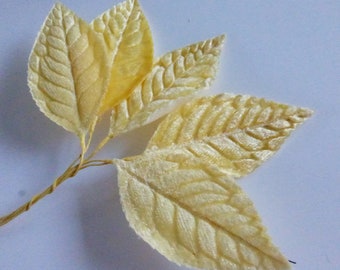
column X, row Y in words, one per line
column 193, row 214
column 68, row 71
column 237, row 133
column 128, row 39
column 175, row 75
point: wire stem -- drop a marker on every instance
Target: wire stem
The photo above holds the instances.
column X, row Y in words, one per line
column 69, row 172
column 100, row 146
column 78, row 164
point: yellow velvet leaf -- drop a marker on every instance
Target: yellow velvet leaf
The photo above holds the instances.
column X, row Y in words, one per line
column 68, row 71
column 128, row 39
column 175, row 75
column 237, row 133
column 194, row 214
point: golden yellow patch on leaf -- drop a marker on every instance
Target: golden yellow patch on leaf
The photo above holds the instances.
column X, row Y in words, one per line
column 128, row 39
column 193, row 213
column 68, row 71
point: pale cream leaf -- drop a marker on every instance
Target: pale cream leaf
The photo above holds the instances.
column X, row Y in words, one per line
column 194, row 214
column 235, row 132
column 68, row 71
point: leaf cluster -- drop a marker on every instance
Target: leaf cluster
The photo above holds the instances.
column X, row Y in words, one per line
column 180, row 195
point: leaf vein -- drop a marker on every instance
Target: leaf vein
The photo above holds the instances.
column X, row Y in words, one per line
column 55, row 70
column 54, row 82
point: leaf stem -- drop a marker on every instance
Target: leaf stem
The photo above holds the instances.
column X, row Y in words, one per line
column 95, row 163
column 100, row 146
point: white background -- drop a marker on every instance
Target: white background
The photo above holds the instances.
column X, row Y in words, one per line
column 286, row 51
